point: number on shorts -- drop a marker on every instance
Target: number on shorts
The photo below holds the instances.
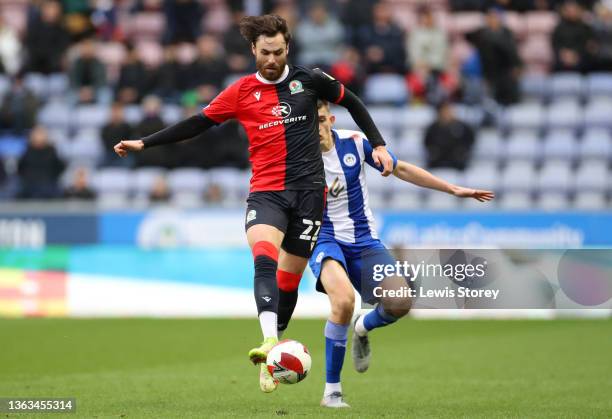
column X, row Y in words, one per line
column 310, row 226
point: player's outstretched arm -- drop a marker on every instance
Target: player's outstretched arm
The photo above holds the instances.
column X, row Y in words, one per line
column 421, row 177
column 184, row 130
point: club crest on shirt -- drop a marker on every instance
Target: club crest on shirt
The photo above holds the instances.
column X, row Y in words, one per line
column 295, row 86
column 282, row 110
column 257, row 95
column 349, row 159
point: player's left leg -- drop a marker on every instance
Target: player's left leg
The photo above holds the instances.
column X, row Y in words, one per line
column 288, row 276
column 388, row 309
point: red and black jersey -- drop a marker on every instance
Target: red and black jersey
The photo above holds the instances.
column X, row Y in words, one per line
column 282, row 124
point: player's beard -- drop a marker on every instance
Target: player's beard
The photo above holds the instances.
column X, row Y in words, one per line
column 271, row 72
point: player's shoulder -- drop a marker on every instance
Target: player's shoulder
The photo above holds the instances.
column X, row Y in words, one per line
column 313, row 73
column 346, row 134
column 241, row 82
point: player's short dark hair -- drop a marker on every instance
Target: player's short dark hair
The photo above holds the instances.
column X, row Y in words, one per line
column 322, row 103
column 252, row 27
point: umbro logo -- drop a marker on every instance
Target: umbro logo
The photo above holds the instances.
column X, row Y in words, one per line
column 267, row 299
column 257, row 95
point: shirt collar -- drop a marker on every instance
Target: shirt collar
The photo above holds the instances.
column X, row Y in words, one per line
column 280, row 79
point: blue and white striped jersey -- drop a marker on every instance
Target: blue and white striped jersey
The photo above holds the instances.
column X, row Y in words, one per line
column 348, row 217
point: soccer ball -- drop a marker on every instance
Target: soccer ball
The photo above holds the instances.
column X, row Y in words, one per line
column 289, row 361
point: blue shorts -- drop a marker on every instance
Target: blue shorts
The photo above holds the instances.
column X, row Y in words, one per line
column 357, row 259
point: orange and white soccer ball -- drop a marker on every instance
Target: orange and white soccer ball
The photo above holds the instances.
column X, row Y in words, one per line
column 289, row 361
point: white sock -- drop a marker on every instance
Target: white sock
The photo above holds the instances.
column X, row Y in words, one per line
column 268, row 322
column 332, row 387
column 360, row 327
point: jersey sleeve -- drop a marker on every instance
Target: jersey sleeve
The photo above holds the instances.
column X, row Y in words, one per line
column 223, row 107
column 367, row 150
column 327, row 87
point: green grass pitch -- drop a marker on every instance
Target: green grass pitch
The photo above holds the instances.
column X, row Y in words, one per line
column 420, row 368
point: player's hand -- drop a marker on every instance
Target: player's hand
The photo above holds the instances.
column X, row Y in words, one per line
column 382, row 158
column 122, row 148
column 478, row 194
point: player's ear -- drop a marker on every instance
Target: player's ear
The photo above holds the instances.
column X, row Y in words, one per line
column 253, row 49
column 332, row 119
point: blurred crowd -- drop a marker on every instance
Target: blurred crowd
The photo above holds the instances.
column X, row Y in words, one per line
column 151, row 53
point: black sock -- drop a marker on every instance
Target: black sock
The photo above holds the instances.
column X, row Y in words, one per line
column 287, row 300
column 266, row 290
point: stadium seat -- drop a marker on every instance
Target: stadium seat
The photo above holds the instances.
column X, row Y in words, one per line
column 515, row 201
column 450, row 175
column 524, row 115
column 385, row 116
column 231, row 181
column 535, row 86
column 536, row 51
column 12, row 147
column 564, row 114
column 560, row 144
column 37, row 83
column 552, row 201
column 55, row 114
column 344, row 120
column 462, row 22
column 150, row 52
column 590, row 201
column 489, row 145
column 555, row 176
column 232, row 78
column 84, row 148
column 597, row 113
column 15, row 16
column 417, row 117
column 403, row 201
column 540, row 23
column 518, row 176
column 187, row 180
column 145, row 177
column 91, row 116
column 410, row 149
column 516, row 23
column 5, row 85
column 386, row 89
column 133, row 114
column 523, row 144
column 171, row 114
column 112, row 181
column 599, row 84
column 146, row 26
column 591, row 175
column 596, row 142
column 471, row 115
column 57, row 85
column 441, row 201
column 482, row 176
column 567, row 84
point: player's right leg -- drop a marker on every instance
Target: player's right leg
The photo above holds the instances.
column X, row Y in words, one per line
column 266, row 223
column 341, row 296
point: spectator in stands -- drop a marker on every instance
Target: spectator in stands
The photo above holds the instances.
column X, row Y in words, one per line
column 499, row 58
column 152, row 122
column 319, row 37
column 183, row 20
column 166, row 76
column 160, row 192
column 132, row 82
column 427, row 43
column 46, row 39
column 602, row 26
column 349, row 71
column 87, row 73
column 77, row 20
column 237, row 50
column 80, row 188
column 104, row 18
column 383, row 42
column 356, row 15
column 115, row 129
column 19, row 107
column 448, row 141
column 209, row 68
column 39, row 168
column 573, row 40
column 428, row 51
column 213, row 194
column 10, row 49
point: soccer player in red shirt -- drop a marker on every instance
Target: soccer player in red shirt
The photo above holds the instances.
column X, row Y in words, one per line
column 277, row 107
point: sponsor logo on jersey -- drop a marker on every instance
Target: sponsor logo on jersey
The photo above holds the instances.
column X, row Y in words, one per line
column 336, row 188
column 283, row 121
column 282, row 110
column 349, row 159
column 251, row 215
column 257, row 95
column 295, row 86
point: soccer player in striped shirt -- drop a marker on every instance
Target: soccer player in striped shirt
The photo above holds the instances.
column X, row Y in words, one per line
column 348, row 231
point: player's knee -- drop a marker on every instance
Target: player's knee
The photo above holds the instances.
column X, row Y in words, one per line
column 397, row 307
column 343, row 305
